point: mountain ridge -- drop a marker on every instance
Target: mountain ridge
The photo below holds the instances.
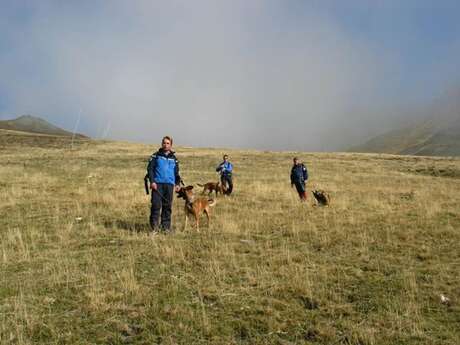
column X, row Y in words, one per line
column 436, row 133
column 34, row 124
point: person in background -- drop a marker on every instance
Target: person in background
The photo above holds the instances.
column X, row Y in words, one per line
column 226, row 169
column 299, row 175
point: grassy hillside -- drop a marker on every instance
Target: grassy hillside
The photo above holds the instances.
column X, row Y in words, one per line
column 436, row 133
column 77, row 265
column 33, row 124
column 442, row 142
column 426, row 138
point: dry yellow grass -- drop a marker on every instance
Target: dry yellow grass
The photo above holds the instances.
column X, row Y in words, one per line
column 77, row 264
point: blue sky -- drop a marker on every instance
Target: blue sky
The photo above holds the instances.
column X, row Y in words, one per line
column 227, row 73
column 422, row 36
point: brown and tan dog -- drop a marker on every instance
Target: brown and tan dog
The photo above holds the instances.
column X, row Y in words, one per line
column 322, row 198
column 213, row 186
column 194, row 206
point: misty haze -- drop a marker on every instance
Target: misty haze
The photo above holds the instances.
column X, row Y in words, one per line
column 243, row 74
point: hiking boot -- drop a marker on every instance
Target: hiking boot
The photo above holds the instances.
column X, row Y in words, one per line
column 168, row 231
column 154, row 228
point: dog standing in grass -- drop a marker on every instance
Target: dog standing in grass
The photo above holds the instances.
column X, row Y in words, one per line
column 322, row 198
column 194, row 207
column 213, row 186
column 299, row 176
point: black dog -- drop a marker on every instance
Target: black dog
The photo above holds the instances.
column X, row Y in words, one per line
column 322, row 198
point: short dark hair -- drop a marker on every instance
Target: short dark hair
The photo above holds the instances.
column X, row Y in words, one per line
column 168, row 138
column 225, row 156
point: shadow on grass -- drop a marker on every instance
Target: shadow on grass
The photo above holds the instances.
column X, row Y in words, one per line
column 128, row 226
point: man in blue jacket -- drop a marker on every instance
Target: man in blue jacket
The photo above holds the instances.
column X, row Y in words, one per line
column 226, row 169
column 299, row 175
column 163, row 173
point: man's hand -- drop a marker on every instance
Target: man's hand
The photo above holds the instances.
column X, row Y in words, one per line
column 177, row 188
column 153, row 186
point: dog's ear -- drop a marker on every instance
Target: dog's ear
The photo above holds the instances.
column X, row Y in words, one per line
column 189, row 187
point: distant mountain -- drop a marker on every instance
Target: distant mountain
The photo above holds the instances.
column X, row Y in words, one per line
column 437, row 133
column 33, row 124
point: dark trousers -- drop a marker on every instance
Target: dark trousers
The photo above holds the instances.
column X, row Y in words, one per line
column 300, row 186
column 226, row 180
column 161, row 200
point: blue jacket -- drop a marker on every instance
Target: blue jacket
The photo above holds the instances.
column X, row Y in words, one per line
column 299, row 173
column 163, row 168
column 225, row 168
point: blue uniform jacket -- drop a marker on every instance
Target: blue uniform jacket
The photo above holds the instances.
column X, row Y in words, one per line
column 225, row 168
column 163, row 168
column 299, row 173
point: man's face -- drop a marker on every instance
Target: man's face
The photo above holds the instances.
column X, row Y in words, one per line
column 225, row 158
column 296, row 161
column 166, row 145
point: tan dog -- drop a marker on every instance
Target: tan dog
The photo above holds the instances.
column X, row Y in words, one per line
column 194, row 206
column 322, row 198
column 213, row 186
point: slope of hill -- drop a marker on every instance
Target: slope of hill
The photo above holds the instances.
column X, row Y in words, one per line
column 78, row 265
column 33, row 124
column 436, row 134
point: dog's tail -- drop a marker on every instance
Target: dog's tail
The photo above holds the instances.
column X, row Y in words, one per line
column 212, row 202
column 201, row 185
